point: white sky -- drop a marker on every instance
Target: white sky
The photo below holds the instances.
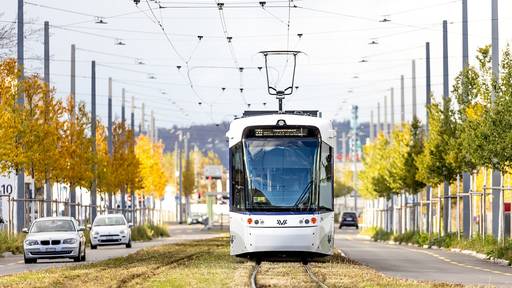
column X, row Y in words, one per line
column 335, row 37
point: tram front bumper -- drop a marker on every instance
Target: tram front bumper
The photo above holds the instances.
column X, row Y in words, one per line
column 263, row 239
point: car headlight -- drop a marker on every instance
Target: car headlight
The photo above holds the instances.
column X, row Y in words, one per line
column 30, row 242
column 122, row 232
column 96, row 233
column 69, row 241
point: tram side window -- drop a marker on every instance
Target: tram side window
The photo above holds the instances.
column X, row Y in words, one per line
column 238, row 181
column 326, row 179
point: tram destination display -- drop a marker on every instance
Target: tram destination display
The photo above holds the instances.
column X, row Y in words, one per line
column 281, row 132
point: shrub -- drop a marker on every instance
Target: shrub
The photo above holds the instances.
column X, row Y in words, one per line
column 11, row 243
column 159, row 230
column 382, row 235
column 148, row 231
column 142, row 233
column 407, row 237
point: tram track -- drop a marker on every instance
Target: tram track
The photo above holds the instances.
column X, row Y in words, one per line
column 306, row 268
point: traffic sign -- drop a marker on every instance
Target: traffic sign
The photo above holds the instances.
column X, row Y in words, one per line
column 7, row 184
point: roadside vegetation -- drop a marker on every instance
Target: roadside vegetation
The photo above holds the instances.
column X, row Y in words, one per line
column 487, row 245
column 468, row 132
column 11, row 243
column 204, row 263
column 147, row 232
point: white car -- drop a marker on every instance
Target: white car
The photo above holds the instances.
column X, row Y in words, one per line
column 111, row 229
column 54, row 237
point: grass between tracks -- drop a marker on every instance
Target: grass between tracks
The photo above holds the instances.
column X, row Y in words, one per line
column 203, row 263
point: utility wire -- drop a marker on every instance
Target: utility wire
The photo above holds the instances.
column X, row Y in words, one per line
column 156, row 21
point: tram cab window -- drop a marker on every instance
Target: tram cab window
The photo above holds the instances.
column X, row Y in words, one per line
column 326, row 179
column 238, row 179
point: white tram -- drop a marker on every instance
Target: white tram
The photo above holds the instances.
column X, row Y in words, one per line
column 281, row 190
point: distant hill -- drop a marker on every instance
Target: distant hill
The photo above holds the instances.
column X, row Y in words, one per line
column 213, row 137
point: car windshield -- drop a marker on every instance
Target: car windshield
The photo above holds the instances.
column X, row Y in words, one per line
column 280, row 172
column 53, row 225
column 109, row 221
column 353, row 215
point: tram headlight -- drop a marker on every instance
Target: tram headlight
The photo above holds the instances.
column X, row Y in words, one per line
column 313, row 220
column 249, row 220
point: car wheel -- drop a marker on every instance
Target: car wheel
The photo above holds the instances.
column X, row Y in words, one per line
column 94, row 247
column 79, row 256
column 129, row 244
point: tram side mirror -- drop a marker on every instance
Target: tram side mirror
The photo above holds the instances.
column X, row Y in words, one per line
column 24, row 230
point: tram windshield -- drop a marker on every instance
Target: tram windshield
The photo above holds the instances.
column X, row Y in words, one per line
column 281, row 173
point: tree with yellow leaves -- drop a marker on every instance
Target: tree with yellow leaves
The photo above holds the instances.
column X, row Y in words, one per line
column 10, row 120
column 169, row 165
column 152, row 172
column 75, row 147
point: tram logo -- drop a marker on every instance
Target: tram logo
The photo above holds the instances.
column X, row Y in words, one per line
column 281, row 222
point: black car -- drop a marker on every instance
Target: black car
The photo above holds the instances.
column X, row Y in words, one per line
column 349, row 219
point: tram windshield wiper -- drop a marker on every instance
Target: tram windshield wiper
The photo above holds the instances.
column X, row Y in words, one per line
column 305, row 195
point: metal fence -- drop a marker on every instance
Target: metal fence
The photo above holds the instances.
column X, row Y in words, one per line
column 404, row 213
column 37, row 208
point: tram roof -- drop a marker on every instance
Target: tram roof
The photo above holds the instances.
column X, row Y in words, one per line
column 237, row 126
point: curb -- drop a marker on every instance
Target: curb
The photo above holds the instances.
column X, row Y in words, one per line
column 481, row 256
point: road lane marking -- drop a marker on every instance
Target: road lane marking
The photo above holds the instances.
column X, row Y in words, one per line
column 457, row 263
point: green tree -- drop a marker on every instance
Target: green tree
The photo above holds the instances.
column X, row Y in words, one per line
column 416, row 145
column 436, row 163
column 373, row 180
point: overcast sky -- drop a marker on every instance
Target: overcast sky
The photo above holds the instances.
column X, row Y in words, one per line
column 335, row 37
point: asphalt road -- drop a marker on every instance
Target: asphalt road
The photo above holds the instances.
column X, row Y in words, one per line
column 179, row 233
column 422, row 264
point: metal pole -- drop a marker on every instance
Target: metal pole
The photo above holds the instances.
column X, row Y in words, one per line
column 180, row 200
column 133, row 139
column 414, row 112
column 123, row 121
column 402, row 100
column 386, row 127
column 354, row 152
column 344, row 146
column 466, row 178
column 142, row 121
column 152, row 133
column 20, row 205
column 496, row 175
column 458, row 207
column 392, row 110
column 446, row 95
column 372, row 130
column 110, row 136
column 93, row 138
column 48, row 196
column 72, row 188
column 379, row 127
column 428, row 92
